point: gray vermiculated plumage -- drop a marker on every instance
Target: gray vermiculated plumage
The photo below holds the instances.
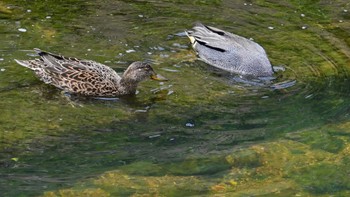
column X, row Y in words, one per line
column 87, row 77
column 229, row 52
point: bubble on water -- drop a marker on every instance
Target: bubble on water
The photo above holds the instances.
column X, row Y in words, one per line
column 189, row 124
column 22, row 29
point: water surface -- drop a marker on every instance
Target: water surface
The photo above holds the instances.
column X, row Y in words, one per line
column 200, row 133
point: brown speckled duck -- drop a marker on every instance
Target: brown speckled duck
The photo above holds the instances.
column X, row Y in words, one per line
column 87, row 77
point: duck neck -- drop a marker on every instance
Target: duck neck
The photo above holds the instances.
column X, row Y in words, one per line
column 128, row 86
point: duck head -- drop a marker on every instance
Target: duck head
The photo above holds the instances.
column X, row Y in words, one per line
column 139, row 71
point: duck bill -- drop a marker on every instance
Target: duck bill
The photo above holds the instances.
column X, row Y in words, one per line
column 158, row 77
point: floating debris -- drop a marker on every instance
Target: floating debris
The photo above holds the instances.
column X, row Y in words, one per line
column 2, row 70
column 345, row 11
column 130, row 51
column 154, row 136
column 140, row 15
column 304, row 27
column 265, row 97
column 302, row 15
column 29, row 11
column 48, row 17
column 309, row 96
column 270, row 28
column 22, row 30
column 2, row 59
column 141, row 111
column 170, row 92
column 14, row 159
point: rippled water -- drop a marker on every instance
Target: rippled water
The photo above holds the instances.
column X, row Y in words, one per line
column 202, row 128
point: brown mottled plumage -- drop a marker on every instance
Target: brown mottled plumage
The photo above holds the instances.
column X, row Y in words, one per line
column 87, row 77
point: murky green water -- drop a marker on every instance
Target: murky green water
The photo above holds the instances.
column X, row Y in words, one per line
column 201, row 133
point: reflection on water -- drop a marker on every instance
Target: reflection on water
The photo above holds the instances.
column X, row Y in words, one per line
column 218, row 133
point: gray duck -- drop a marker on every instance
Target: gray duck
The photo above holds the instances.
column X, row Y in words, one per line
column 229, row 52
column 87, row 77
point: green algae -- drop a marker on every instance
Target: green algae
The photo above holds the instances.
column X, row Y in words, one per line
column 282, row 167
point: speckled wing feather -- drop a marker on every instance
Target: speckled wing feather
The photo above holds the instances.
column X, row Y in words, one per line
column 73, row 75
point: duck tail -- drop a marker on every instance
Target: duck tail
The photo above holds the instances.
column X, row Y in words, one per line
column 31, row 64
column 24, row 63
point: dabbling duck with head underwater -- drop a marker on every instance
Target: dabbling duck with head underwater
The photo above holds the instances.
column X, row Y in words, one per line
column 229, row 52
